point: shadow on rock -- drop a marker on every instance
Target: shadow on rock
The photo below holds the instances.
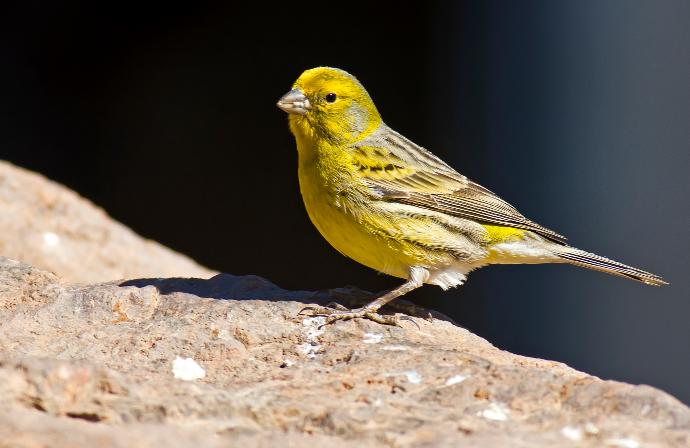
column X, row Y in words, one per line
column 252, row 287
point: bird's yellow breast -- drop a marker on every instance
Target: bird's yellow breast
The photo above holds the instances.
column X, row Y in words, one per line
column 328, row 198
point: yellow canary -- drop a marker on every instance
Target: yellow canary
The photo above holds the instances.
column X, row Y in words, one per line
column 393, row 206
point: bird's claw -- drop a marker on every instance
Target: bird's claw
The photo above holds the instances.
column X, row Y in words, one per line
column 360, row 313
column 339, row 312
column 410, row 319
column 315, row 311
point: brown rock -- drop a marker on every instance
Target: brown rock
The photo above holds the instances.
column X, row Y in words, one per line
column 50, row 227
column 93, row 366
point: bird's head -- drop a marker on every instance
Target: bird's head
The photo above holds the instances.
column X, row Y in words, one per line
column 329, row 103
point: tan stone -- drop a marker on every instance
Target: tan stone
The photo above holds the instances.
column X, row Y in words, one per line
column 87, row 365
column 51, row 227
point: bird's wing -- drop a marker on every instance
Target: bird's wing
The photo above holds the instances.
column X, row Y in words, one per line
column 397, row 170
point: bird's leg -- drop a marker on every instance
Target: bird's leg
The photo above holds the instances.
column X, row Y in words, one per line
column 369, row 311
column 355, row 297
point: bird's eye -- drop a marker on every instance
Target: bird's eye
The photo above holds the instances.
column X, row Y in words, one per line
column 330, row 97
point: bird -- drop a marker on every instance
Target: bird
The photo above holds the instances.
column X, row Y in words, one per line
column 389, row 204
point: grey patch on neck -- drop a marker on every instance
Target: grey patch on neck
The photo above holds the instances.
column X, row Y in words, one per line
column 358, row 119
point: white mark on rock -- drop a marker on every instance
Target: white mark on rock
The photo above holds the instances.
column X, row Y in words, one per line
column 411, row 375
column 495, row 411
column 645, row 409
column 309, row 350
column 372, row 338
column 313, row 324
column 50, row 239
column 64, row 372
column 225, row 335
column 187, row 369
column 312, row 347
column 591, row 428
column 455, row 380
column 394, row 348
column 572, row 432
column 288, row 362
column 624, row 442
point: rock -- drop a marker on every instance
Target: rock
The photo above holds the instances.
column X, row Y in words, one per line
column 92, row 365
column 48, row 226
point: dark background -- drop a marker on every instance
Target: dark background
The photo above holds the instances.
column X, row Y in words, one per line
column 577, row 112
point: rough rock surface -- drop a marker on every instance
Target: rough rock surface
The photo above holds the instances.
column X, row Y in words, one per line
column 92, row 365
column 51, row 227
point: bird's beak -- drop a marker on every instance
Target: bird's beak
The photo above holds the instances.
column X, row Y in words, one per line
column 294, row 102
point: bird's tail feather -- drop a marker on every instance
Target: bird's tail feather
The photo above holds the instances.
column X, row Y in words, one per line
column 588, row 260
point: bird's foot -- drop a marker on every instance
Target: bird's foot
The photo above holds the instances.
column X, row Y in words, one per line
column 353, row 296
column 342, row 313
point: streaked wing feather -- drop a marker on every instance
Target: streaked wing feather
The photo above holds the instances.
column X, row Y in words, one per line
column 423, row 180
